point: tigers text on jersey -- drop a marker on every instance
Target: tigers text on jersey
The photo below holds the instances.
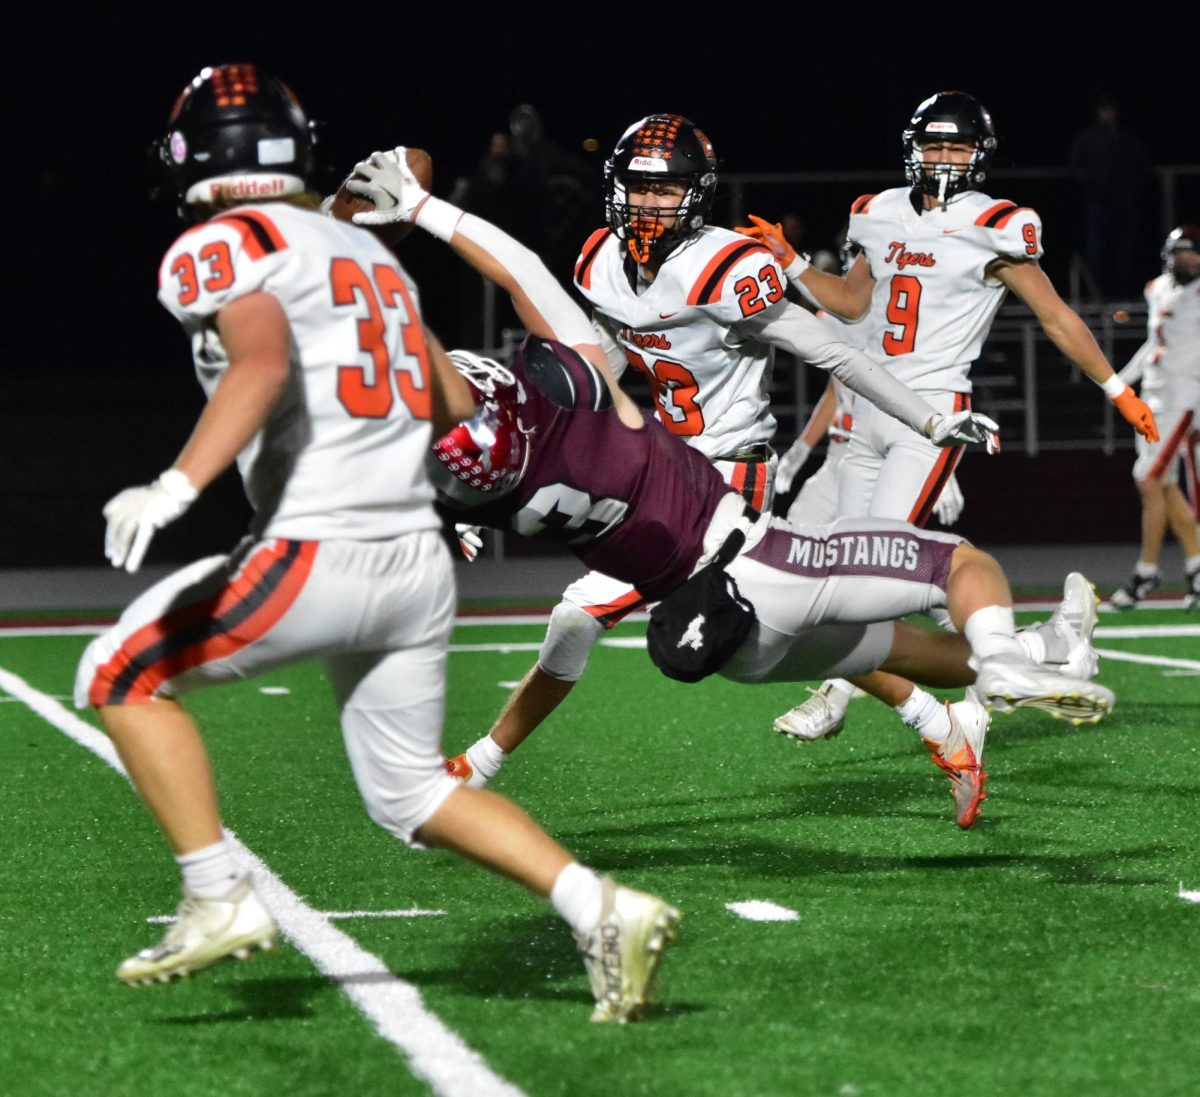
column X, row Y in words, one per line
column 342, row 452
column 1172, row 376
column 708, row 379
column 932, row 303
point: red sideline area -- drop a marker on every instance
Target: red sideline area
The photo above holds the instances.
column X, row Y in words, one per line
column 529, row 586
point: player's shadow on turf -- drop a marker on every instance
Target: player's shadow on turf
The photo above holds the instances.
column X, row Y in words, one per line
column 530, row 957
column 283, row 998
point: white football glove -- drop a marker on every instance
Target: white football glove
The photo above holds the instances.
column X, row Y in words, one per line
column 469, row 541
column 389, row 184
column 790, row 464
column 965, row 428
column 950, row 503
column 136, row 513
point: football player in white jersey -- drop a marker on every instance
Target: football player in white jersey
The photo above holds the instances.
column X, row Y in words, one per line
column 698, row 310
column 323, row 384
column 937, row 258
column 1168, row 364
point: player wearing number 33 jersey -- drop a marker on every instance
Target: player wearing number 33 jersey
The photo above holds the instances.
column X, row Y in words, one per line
column 357, row 387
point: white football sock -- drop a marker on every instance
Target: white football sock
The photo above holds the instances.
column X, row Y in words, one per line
column 209, row 872
column 1191, row 563
column 577, row 895
column 1144, row 570
column 486, row 757
column 926, row 715
column 992, row 631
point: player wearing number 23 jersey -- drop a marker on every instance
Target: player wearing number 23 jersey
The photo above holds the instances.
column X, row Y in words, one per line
column 681, row 331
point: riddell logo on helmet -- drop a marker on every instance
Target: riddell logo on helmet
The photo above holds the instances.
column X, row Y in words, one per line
column 246, row 188
column 647, row 163
column 942, row 127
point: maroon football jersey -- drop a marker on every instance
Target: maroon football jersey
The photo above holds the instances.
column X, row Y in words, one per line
column 633, row 504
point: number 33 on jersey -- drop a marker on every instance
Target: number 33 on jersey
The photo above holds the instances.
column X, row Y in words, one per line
column 358, row 356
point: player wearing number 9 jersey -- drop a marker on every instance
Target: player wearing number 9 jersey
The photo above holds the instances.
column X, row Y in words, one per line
column 937, row 258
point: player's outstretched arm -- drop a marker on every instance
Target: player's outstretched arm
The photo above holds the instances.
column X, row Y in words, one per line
column 1071, row 335
column 847, row 296
column 542, row 305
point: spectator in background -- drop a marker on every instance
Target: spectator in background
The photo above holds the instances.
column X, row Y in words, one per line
column 537, row 191
column 1110, row 163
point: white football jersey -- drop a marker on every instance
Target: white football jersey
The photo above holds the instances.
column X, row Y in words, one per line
column 1172, row 373
column 681, row 331
column 342, row 454
column 932, row 303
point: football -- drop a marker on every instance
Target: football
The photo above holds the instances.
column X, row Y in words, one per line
column 346, row 204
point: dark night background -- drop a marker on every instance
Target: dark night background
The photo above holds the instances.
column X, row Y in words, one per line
column 96, row 391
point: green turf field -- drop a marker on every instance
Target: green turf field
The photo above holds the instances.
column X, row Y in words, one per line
column 1047, row 951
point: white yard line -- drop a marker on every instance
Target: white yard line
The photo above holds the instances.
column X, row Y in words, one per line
column 1148, row 660
column 332, row 915
column 759, row 910
column 435, row 1054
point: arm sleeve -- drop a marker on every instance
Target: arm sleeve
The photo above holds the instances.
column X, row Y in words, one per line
column 791, row 328
column 617, row 362
column 565, row 318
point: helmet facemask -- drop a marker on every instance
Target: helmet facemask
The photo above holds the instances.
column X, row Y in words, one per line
column 484, row 457
column 955, row 118
column 661, row 148
column 641, row 226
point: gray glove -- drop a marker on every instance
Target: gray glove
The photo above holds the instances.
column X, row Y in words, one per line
column 790, row 464
column 950, row 503
column 965, row 428
column 389, row 184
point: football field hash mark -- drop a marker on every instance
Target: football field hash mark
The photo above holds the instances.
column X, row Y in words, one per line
column 759, row 910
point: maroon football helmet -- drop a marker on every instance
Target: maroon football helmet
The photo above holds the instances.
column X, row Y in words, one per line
column 484, row 457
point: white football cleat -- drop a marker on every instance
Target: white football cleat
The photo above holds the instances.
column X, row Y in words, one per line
column 1075, row 621
column 822, row 716
column 1007, row 683
column 623, row 953
column 205, row 931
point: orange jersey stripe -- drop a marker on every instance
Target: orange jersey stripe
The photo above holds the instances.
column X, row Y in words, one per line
column 1170, row 448
column 259, row 235
column 610, row 613
column 862, row 203
column 1005, row 218
column 240, row 613
column 991, row 212
column 936, row 480
column 707, row 288
column 587, row 257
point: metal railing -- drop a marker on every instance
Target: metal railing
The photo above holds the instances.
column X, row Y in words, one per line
column 1041, row 401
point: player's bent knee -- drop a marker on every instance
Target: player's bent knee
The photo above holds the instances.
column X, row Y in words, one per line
column 403, row 810
column 569, row 639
